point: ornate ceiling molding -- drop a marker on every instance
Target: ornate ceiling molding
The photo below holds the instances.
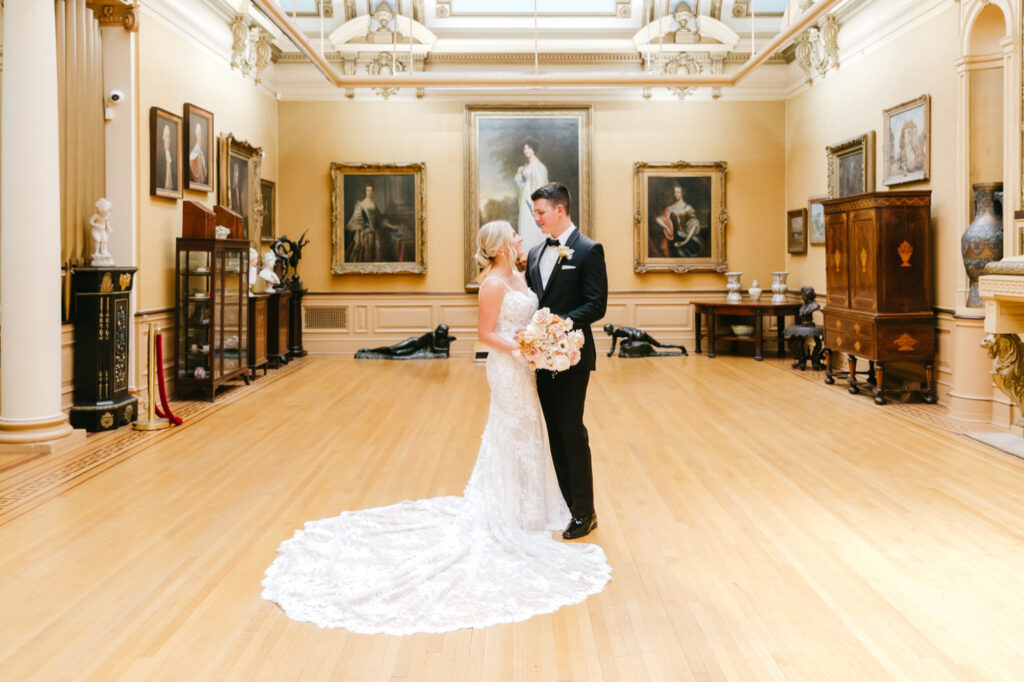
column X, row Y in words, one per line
column 115, row 13
column 527, row 58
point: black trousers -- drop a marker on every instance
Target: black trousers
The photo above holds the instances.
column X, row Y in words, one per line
column 562, row 397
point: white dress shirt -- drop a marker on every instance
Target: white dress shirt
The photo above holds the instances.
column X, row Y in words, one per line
column 550, row 256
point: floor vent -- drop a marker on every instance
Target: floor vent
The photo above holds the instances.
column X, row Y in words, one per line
column 326, row 317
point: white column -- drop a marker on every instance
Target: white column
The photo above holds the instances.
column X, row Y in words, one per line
column 30, row 380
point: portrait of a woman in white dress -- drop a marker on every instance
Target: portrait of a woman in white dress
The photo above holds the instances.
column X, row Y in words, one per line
column 529, row 176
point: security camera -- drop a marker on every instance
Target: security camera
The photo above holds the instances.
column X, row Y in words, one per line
column 116, row 96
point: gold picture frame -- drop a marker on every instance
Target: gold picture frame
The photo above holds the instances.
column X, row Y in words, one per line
column 816, row 220
column 906, row 142
column 164, row 154
column 851, row 166
column 378, row 218
column 238, row 186
column 679, row 217
column 501, row 174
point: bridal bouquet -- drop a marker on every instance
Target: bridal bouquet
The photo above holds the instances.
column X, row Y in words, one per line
column 549, row 342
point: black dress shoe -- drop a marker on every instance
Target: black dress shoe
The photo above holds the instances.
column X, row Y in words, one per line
column 580, row 526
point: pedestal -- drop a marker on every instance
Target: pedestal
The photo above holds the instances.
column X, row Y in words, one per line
column 102, row 314
column 295, row 348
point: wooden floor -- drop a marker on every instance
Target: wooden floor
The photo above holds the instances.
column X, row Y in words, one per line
column 760, row 527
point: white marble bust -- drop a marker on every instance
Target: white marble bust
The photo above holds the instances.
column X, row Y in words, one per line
column 267, row 274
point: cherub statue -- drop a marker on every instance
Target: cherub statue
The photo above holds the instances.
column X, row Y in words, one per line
column 435, row 344
column 267, row 274
column 636, row 343
column 100, row 224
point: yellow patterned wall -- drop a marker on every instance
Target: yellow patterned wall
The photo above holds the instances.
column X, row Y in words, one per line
column 850, row 103
column 173, row 71
column 748, row 135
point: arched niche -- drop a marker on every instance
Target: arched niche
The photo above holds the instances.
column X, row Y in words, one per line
column 985, row 86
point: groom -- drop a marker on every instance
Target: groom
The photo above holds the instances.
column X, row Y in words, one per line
column 567, row 273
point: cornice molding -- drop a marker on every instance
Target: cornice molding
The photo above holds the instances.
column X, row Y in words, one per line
column 501, row 58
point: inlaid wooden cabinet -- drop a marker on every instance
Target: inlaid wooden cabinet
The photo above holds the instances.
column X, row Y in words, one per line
column 879, row 281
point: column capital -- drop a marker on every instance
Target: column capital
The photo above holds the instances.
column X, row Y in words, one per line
column 115, row 13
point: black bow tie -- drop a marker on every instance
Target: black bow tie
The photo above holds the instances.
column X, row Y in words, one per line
column 551, row 241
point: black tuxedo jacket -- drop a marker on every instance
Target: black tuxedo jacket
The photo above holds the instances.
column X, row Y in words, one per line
column 577, row 289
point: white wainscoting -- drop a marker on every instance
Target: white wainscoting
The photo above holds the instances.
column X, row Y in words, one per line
column 373, row 319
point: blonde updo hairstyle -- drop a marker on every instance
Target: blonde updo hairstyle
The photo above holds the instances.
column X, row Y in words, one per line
column 489, row 241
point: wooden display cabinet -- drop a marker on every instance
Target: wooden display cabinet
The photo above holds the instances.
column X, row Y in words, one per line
column 211, row 295
column 879, row 281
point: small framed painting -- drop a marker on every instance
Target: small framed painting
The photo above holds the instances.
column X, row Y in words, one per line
column 199, row 148
column 267, row 228
column 164, row 154
column 906, row 143
column 816, row 221
column 851, row 166
column 796, row 231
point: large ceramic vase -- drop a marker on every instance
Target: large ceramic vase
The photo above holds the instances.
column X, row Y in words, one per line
column 982, row 243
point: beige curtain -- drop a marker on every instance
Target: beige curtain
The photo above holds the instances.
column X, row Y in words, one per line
column 80, row 101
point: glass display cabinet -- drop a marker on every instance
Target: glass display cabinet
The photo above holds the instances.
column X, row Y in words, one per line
column 211, row 294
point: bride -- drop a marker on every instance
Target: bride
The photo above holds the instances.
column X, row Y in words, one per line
column 444, row 563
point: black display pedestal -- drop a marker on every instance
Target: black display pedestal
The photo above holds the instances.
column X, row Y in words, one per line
column 102, row 315
column 295, row 348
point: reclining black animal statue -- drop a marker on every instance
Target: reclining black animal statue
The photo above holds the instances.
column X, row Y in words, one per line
column 435, row 344
column 636, row 343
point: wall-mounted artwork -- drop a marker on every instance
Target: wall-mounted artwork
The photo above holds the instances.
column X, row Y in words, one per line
column 796, row 231
column 199, row 148
column 239, row 166
column 679, row 217
column 816, row 221
column 164, row 154
column 267, row 219
column 906, row 142
column 511, row 151
column 378, row 218
column 851, row 166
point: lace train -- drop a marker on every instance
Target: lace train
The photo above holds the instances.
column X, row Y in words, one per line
column 444, row 563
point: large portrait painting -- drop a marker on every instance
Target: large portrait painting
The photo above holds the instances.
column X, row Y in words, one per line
column 511, row 151
column 680, row 217
column 906, row 145
column 164, row 154
column 199, row 148
column 239, row 168
column 851, row 166
column 378, row 218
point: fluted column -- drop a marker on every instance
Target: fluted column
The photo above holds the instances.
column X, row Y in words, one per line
column 30, row 361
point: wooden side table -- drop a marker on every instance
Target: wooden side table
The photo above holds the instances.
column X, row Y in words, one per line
column 712, row 310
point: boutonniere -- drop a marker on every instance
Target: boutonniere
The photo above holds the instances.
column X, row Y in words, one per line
column 564, row 253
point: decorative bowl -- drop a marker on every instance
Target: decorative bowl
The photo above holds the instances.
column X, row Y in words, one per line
column 742, row 329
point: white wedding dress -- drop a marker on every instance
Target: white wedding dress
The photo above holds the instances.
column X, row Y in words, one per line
column 445, row 563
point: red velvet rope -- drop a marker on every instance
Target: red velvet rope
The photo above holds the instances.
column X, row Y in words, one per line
column 164, row 413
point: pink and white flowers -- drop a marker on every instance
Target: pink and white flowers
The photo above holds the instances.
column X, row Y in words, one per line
column 549, row 342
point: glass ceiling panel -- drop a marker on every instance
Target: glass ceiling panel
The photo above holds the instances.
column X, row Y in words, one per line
column 526, row 7
column 298, row 6
column 768, row 6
